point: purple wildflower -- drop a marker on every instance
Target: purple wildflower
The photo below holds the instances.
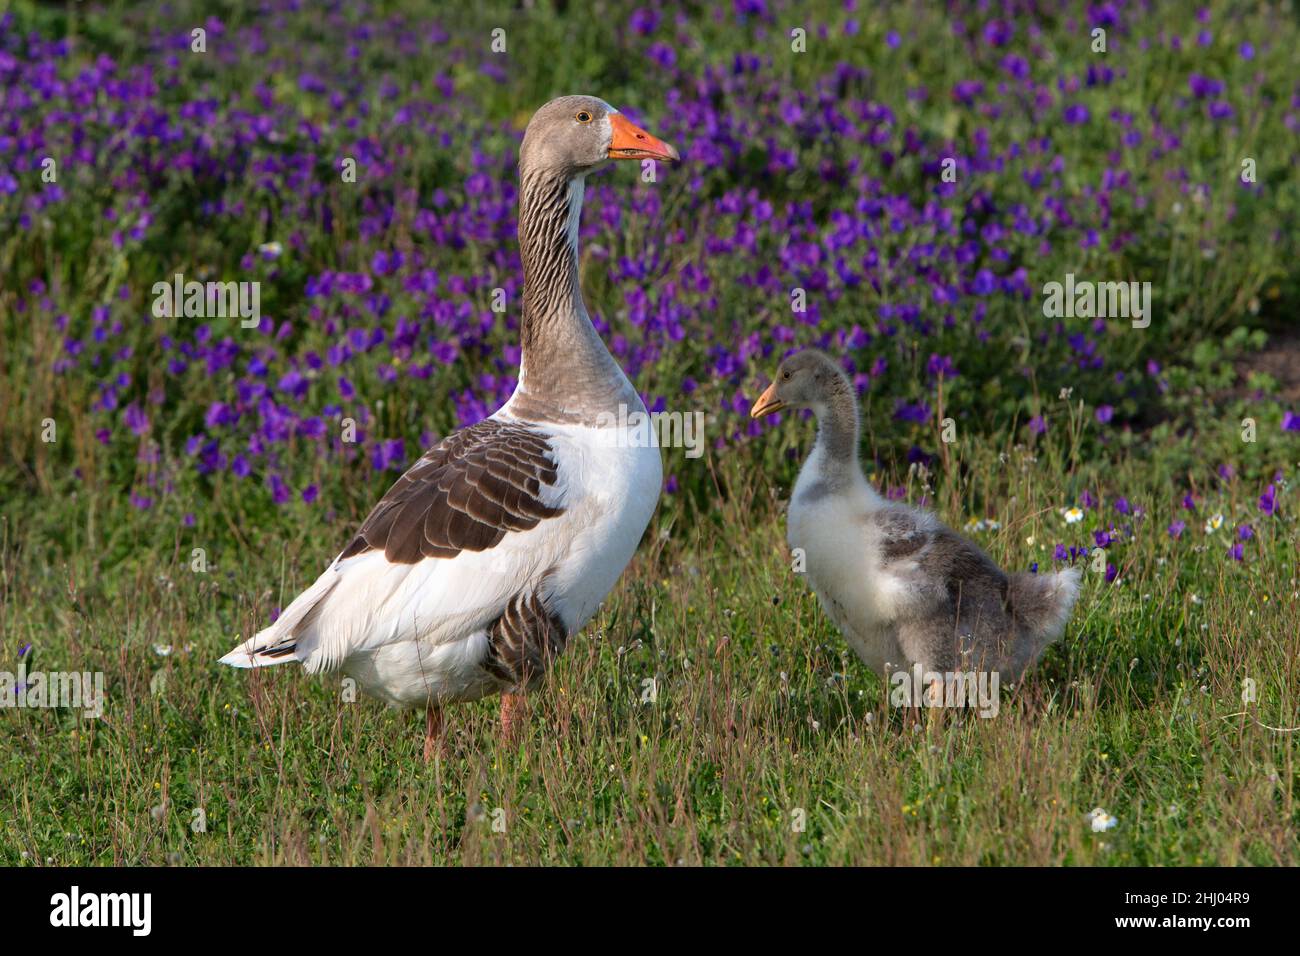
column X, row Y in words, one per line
column 644, row 20
column 1076, row 114
column 388, row 454
column 279, row 490
column 912, row 412
column 134, row 418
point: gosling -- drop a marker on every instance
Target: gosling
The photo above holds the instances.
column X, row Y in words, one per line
column 905, row 590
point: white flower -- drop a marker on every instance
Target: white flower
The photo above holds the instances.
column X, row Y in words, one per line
column 1214, row 524
column 271, row 250
column 1101, row 820
column 1072, row 515
column 975, row 524
column 162, row 650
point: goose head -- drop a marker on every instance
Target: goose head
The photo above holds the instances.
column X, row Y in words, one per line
column 807, row 379
column 574, row 135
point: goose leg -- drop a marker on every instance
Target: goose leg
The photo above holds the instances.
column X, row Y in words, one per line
column 513, row 714
column 934, row 700
column 434, row 745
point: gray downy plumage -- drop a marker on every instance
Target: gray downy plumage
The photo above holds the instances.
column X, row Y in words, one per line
column 903, row 587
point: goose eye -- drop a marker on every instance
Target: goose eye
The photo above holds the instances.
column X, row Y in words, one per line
column 785, row 375
column 583, row 116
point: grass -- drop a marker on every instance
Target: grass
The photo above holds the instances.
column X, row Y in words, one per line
column 760, row 713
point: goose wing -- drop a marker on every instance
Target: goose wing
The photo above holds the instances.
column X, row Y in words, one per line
column 443, row 553
column 465, row 494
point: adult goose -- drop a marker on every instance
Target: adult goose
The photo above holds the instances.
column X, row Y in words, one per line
column 474, row 570
column 903, row 589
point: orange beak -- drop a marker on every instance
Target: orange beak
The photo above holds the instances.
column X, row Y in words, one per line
column 767, row 403
column 632, row 142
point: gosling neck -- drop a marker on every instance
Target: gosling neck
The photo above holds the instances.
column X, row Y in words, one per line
column 838, row 432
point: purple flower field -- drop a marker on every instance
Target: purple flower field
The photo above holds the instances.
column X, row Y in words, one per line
column 818, row 171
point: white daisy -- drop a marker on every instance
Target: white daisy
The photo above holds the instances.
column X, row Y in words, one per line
column 1072, row 515
column 1101, row 820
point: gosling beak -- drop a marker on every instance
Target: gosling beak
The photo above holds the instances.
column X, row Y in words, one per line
column 632, row 142
column 767, row 403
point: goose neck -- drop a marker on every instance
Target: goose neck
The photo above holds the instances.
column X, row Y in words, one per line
column 566, row 372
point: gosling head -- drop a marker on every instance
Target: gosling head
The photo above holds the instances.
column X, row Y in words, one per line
column 807, row 379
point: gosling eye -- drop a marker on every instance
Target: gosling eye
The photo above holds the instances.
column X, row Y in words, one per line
column 583, row 116
column 786, row 376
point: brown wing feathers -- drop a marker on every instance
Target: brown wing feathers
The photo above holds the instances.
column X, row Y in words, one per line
column 465, row 494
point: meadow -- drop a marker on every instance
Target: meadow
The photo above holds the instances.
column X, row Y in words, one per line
column 896, row 185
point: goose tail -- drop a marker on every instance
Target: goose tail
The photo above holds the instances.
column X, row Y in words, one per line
column 283, row 642
column 1041, row 605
